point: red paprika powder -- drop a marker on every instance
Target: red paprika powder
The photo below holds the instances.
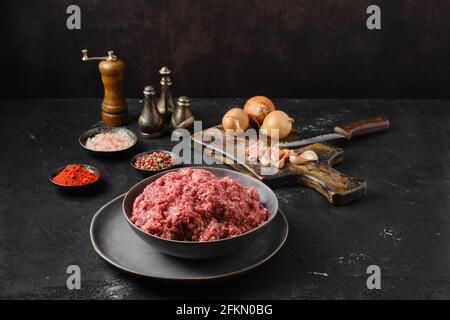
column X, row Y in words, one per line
column 75, row 175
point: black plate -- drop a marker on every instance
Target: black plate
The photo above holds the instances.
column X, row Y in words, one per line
column 116, row 243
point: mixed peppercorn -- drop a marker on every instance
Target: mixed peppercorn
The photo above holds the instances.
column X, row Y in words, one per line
column 154, row 161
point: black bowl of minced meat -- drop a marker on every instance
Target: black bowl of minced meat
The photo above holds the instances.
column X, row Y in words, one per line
column 200, row 212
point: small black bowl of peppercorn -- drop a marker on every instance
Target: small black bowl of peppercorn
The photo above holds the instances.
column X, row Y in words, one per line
column 151, row 162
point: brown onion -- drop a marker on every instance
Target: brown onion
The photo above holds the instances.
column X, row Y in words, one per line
column 258, row 108
column 277, row 120
column 235, row 119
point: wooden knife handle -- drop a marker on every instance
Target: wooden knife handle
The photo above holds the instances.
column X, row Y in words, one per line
column 363, row 127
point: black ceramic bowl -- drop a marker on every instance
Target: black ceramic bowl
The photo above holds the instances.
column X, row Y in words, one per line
column 147, row 172
column 92, row 132
column 210, row 249
column 88, row 167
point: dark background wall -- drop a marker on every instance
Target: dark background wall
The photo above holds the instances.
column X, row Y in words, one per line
column 229, row 48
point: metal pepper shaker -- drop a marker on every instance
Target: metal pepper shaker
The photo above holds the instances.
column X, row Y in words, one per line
column 150, row 121
column 166, row 105
column 182, row 117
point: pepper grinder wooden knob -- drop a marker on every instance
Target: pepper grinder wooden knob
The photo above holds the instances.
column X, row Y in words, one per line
column 114, row 106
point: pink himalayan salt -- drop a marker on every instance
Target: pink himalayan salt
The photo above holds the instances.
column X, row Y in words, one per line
column 110, row 141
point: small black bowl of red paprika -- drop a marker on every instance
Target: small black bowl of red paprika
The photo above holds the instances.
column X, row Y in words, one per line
column 75, row 176
column 152, row 162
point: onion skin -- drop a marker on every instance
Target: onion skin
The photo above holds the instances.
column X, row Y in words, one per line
column 258, row 108
column 235, row 119
column 277, row 120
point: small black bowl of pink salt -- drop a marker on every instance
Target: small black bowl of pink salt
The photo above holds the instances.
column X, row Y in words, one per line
column 74, row 176
column 152, row 162
column 108, row 141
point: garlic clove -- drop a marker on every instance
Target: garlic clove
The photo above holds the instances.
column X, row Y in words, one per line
column 256, row 151
column 252, row 151
column 280, row 163
column 292, row 156
column 252, row 158
column 305, row 157
column 283, row 155
column 310, row 156
column 274, row 154
column 265, row 160
column 297, row 160
column 261, row 148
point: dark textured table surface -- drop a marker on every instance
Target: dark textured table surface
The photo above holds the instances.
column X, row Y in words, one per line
column 403, row 225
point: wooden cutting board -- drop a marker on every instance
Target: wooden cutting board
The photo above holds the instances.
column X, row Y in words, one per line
column 337, row 187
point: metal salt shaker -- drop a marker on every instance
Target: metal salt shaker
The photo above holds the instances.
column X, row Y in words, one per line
column 182, row 117
column 150, row 121
column 166, row 105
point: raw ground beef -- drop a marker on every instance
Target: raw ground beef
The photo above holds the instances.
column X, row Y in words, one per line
column 195, row 205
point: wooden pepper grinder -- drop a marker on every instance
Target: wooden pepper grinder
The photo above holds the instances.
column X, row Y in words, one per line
column 183, row 118
column 114, row 106
column 150, row 122
column 165, row 104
